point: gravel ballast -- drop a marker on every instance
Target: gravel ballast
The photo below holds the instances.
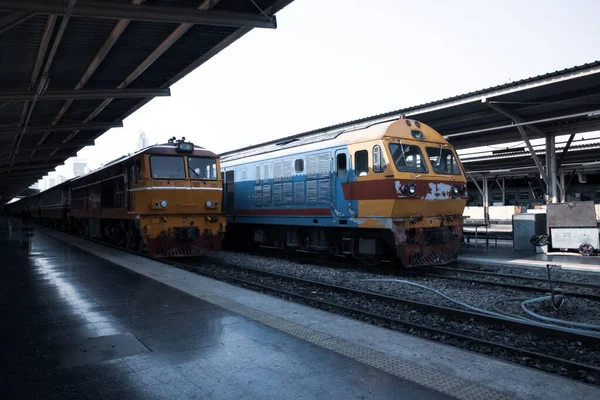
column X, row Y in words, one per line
column 474, row 294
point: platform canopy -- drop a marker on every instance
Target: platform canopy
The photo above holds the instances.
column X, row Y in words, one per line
column 558, row 103
column 561, row 102
column 72, row 69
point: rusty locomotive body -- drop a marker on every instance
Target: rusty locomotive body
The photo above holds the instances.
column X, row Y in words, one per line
column 393, row 190
column 163, row 200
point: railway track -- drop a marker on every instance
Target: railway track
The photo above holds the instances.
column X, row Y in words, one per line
column 529, row 284
column 532, row 284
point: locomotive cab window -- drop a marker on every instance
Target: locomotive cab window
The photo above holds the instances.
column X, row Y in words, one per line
column 167, row 167
column 361, row 163
column 407, row 157
column 443, row 161
column 378, row 161
column 202, row 168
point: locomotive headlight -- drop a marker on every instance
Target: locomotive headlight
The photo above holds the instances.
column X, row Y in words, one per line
column 164, row 204
column 456, row 190
column 412, row 188
column 208, row 204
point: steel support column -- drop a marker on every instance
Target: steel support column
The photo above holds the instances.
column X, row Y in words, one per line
column 551, row 149
column 486, row 201
column 502, row 190
column 563, row 191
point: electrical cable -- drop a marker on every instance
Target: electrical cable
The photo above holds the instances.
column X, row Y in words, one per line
column 555, row 320
column 492, row 313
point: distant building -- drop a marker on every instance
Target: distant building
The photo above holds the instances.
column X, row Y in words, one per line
column 48, row 182
column 79, row 166
column 60, row 179
column 142, row 141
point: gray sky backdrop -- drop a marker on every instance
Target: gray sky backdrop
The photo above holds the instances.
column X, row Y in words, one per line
column 331, row 61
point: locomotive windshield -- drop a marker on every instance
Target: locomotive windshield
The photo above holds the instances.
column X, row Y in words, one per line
column 167, row 167
column 407, row 157
column 202, row 168
column 443, row 161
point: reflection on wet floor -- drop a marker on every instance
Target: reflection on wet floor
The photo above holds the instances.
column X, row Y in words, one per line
column 80, row 327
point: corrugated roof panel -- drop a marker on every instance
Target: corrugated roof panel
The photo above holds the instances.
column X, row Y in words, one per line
column 135, row 44
column 44, row 112
column 77, row 49
column 18, row 52
column 198, row 40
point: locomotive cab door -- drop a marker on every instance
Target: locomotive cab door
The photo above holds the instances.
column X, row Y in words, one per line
column 229, row 191
column 342, row 184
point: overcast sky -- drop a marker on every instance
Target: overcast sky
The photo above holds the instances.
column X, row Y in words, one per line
column 337, row 60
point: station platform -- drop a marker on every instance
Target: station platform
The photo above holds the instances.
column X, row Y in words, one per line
column 82, row 320
column 504, row 254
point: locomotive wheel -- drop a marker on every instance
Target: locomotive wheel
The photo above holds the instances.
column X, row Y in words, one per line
column 586, row 249
column 133, row 239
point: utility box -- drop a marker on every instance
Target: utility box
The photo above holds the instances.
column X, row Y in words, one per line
column 573, row 226
column 525, row 226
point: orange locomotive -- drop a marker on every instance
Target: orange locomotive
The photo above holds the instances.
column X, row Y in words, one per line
column 164, row 200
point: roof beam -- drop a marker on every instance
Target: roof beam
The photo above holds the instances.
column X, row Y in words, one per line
column 110, row 41
column 42, row 84
column 37, row 167
column 178, row 15
column 583, row 97
column 17, row 178
column 21, row 163
column 516, row 119
column 6, row 105
column 144, row 65
column 14, row 19
column 592, row 113
column 213, row 51
column 66, row 127
column 565, row 151
column 83, row 94
column 71, row 145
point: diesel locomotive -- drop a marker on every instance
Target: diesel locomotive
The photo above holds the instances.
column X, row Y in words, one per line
column 164, row 200
column 393, row 190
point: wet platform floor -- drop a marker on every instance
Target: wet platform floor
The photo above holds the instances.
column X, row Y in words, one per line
column 76, row 326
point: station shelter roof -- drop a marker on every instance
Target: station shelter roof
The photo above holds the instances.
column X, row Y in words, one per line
column 557, row 103
column 72, row 69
